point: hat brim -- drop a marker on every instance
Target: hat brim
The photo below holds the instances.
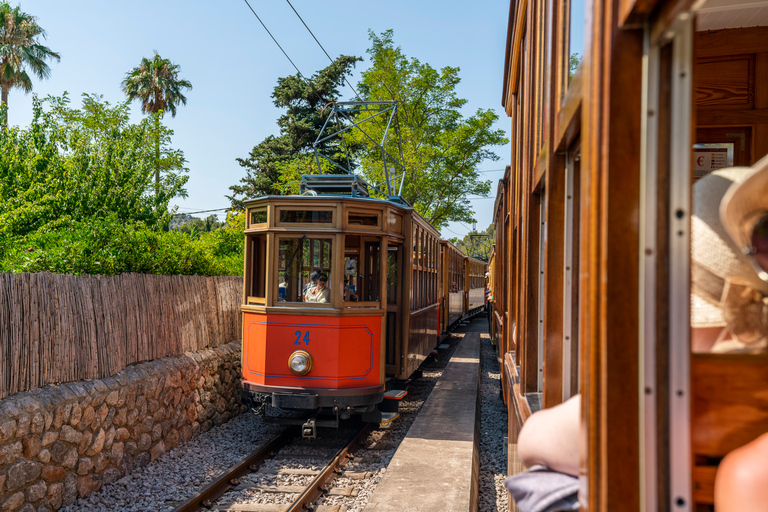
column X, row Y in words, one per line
column 744, row 203
column 704, row 313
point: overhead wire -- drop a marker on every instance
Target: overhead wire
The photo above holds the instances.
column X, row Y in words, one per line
column 319, row 44
column 275, row 40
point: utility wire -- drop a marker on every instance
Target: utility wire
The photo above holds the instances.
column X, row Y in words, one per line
column 318, row 43
column 275, row 40
column 207, row 211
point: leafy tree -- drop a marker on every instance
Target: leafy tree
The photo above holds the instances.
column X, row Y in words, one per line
column 299, row 128
column 478, row 244
column 156, row 84
column 441, row 148
column 85, row 164
column 573, row 64
column 197, row 225
column 20, row 50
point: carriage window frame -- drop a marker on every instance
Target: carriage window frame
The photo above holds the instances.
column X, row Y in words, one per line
column 252, row 217
column 256, row 278
column 329, row 259
column 361, row 215
column 363, row 273
column 280, row 211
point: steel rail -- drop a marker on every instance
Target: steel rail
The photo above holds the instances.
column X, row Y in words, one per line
column 319, row 485
column 205, row 496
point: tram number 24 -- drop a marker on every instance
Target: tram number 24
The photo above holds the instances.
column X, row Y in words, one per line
column 299, row 339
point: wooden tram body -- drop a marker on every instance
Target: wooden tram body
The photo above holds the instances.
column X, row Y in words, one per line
column 592, row 257
column 381, row 320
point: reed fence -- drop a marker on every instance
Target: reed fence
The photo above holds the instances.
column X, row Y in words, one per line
column 61, row 328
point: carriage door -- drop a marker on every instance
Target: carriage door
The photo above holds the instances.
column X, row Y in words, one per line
column 394, row 321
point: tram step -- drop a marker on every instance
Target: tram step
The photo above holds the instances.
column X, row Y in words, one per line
column 395, row 394
column 389, row 417
column 337, row 491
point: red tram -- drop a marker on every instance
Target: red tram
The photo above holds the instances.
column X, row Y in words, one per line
column 342, row 300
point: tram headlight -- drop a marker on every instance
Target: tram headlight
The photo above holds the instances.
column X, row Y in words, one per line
column 300, row 362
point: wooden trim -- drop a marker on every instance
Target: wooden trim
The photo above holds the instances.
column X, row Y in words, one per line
column 554, row 284
column 568, row 120
column 734, row 41
column 540, row 169
column 517, row 37
column 317, row 310
column 712, row 118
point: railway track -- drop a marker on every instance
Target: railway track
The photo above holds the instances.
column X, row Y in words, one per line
column 241, row 482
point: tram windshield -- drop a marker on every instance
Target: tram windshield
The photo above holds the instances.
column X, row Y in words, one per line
column 304, row 269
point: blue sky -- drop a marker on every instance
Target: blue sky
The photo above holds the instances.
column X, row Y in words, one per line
column 234, row 65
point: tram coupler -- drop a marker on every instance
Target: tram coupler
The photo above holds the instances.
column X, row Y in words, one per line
column 309, row 428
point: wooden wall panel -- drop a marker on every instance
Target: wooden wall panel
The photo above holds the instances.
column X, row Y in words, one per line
column 726, row 82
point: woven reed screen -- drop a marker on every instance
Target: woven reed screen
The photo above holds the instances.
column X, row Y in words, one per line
column 61, row 328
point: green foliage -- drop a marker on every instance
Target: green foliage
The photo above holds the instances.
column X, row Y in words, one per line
column 77, row 196
column 299, row 128
column 196, row 225
column 156, row 84
column 79, row 164
column 573, row 64
column 441, row 148
column 107, row 246
column 478, row 245
column 21, row 51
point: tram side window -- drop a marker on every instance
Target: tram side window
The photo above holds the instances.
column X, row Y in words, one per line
column 257, row 247
column 304, row 269
column 362, row 260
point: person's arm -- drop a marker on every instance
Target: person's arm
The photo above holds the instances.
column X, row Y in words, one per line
column 551, row 437
column 741, row 482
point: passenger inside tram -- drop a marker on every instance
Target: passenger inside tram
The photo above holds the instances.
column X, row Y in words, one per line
column 319, row 293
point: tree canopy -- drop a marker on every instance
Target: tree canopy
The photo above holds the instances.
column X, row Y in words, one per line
column 21, row 51
column 156, row 84
column 77, row 196
column 289, row 153
column 441, row 147
column 478, row 244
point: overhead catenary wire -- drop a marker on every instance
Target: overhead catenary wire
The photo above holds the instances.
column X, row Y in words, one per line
column 319, row 44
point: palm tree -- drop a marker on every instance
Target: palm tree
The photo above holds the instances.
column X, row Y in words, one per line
column 157, row 85
column 20, row 51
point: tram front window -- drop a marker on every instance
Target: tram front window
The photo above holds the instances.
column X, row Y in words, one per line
column 304, row 269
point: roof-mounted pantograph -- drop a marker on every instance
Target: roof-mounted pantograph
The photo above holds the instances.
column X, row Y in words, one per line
column 342, row 118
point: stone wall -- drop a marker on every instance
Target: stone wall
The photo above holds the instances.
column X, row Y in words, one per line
column 65, row 441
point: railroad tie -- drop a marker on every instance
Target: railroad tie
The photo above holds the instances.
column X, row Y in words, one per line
column 297, row 489
column 274, row 507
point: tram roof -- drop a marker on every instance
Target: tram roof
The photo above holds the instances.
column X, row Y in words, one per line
column 336, row 197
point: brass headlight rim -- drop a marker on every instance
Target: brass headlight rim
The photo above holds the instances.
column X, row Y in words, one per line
column 310, row 362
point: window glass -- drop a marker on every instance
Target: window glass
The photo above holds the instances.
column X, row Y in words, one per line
column 306, row 216
column 574, row 51
column 304, row 269
column 361, row 268
column 259, row 216
column 358, row 219
column 392, row 273
column 257, row 250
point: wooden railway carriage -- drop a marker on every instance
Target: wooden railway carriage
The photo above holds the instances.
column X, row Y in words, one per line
column 377, row 324
column 593, row 221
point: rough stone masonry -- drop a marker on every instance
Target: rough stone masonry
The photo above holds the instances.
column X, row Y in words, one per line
column 64, row 441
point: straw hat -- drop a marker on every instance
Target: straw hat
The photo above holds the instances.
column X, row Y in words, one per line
column 744, row 205
column 715, row 257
